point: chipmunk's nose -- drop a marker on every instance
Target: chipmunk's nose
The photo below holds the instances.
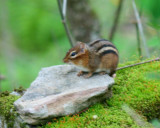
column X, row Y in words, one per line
column 65, row 60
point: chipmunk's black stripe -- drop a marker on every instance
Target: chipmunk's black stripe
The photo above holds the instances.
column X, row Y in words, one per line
column 106, row 45
column 107, row 52
column 97, row 41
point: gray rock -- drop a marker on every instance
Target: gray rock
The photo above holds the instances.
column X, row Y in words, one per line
column 58, row 91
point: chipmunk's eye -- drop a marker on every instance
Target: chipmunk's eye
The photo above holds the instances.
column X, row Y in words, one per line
column 73, row 54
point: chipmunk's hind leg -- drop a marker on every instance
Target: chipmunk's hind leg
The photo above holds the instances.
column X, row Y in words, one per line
column 85, row 74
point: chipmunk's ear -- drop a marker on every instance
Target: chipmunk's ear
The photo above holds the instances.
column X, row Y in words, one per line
column 79, row 43
column 83, row 47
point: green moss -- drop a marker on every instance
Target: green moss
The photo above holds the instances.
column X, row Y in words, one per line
column 106, row 118
column 132, row 87
column 20, row 89
column 2, row 94
column 7, row 108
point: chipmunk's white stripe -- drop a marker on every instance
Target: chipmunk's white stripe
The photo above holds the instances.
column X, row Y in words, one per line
column 97, row 41
column 107, row 48
column 103, row 70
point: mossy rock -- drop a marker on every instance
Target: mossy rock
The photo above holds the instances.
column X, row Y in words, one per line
column 132, row 87
column 7, row 109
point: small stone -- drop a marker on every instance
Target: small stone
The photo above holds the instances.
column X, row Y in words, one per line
column 95, row 116
column 114, row 76
column 16, row 93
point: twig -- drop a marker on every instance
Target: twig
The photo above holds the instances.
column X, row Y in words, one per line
column 138, row 35
column 64, row 7
column 64, row 20
column 116, row 20
column 157, row 59
column 140, row 27
column 138, row 41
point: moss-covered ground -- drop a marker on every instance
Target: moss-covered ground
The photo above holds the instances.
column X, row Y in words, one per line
column 137, row 87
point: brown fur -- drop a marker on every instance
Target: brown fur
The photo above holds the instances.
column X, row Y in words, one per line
column 109, row 61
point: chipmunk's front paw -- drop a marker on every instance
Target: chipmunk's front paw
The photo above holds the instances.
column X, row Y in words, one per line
column 80, row 73
column 102, row 73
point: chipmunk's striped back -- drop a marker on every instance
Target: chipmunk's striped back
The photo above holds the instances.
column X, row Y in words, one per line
column 103, row 47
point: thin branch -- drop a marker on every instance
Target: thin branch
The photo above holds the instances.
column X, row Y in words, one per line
column 138, row 35
column 64, row 21
column 140, row 27
column 138, row 41
column 157, row 59
column 116, row 20
column 64, row 7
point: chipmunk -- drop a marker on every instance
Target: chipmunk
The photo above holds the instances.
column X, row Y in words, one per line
column 99, row 56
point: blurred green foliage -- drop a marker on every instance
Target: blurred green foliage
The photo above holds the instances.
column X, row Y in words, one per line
column 151, row 8
column 35, row 24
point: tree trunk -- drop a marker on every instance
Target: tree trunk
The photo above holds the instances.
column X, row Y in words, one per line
column 83, row 21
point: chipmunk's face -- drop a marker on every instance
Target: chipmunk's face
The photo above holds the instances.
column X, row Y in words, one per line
column 75, row 54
